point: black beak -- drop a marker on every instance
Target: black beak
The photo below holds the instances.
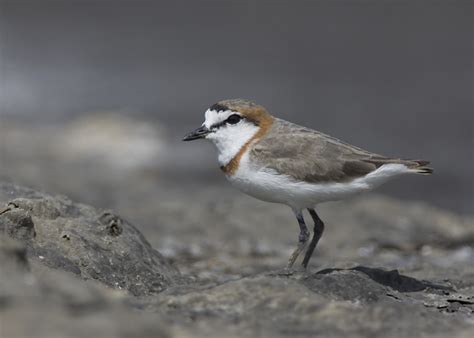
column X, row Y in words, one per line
column 201, row 132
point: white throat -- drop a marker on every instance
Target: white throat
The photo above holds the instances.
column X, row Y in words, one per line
column 229, row 139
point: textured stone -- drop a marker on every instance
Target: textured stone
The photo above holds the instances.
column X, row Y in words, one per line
column 384, row 268
column 81, row 239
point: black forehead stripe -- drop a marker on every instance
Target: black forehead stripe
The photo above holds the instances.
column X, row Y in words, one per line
column 223, row 123
column 219, row 107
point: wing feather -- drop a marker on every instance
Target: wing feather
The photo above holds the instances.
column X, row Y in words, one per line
column 311, row 156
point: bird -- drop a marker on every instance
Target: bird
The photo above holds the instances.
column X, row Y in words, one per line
column 281, row 162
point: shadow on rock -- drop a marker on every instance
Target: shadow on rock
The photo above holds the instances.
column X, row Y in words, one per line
column 366, row 284
column 392, row 279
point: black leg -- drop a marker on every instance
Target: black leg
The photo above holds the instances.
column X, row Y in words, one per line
column 302, row 240
column 318, row 232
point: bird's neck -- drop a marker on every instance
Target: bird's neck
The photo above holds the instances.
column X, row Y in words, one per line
column 232, row 148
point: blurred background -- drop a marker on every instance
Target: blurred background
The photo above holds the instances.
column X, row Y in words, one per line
column 95, row 96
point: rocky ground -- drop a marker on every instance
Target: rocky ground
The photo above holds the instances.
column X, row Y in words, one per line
column 70, row 270
column 164, row 254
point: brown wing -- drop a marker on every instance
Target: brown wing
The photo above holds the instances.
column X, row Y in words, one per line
column 310, row 156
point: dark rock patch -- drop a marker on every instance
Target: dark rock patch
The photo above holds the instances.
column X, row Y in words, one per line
column 367, row 284
column 392, row 279
column 346, row 285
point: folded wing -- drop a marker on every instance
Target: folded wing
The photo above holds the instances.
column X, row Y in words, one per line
column 307, row 155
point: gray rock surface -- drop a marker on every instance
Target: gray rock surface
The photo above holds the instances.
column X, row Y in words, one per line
column 80, row 239
column 341, row 304
column 384, row 268
column 37, row 301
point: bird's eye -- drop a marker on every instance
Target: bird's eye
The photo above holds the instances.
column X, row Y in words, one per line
column 233, row 119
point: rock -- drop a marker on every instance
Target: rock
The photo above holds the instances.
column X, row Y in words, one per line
column 384, row 268
column 12, row 254
column 36, row 301
column 18, row 224
column 85, row 241
column 346, row 285
column 330, row 304
column 108, row 136
column 365, row 284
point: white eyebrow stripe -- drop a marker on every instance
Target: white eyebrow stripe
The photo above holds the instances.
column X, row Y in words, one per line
column 213, row 117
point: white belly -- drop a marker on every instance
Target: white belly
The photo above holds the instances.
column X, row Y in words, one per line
column 269, row 186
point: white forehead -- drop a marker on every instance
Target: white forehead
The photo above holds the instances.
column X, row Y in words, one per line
column 212, row 117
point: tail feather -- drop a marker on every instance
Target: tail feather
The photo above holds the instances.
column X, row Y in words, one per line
column 419, row 166
column 414, row 166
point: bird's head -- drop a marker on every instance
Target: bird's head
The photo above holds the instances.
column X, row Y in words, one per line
column 230, row 125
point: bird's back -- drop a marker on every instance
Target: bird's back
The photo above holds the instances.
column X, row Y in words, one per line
column 311, row 156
